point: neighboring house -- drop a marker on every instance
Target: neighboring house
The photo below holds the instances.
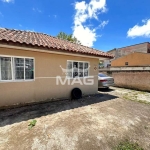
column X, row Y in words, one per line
column 31, row 62
column 130, row 66
column 133, row 59
column 119, row 52
column 132, row 71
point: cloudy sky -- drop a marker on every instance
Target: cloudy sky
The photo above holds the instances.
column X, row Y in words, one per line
column 101, row 24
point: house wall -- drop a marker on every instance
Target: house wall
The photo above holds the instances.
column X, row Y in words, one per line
column 47, row 67
column 133, row 59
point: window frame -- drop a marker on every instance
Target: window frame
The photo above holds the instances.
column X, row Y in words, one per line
column 13, row 68
column 78, row 69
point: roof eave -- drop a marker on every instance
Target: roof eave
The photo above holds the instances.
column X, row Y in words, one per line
column 30, row 47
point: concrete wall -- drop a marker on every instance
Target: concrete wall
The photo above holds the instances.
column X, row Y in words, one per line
column 133, row 80
column 133, row 59
column 44, row 87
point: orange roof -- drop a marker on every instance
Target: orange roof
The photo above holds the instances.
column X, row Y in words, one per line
column 46, row 41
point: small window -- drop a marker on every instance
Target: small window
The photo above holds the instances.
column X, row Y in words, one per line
column 77, row 69
column 126, row 63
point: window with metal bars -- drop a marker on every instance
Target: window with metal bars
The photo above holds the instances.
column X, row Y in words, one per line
column 77, row 69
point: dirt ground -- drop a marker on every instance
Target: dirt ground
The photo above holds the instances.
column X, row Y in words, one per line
column 97, row 122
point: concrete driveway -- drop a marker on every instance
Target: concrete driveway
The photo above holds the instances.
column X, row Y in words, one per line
column 97, row 122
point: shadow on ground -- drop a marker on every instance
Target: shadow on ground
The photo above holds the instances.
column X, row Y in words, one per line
column 14, row 115
column 105, row 89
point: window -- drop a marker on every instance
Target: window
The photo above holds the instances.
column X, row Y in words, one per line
column 77, row 69
column 126, row 63
column 69, row 69
column 15, row 68
column 6, row 70
column 29, row 72
column 19, row 68
column 81, row 69
column 86, row 70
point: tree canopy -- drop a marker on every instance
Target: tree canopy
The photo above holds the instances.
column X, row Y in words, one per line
column 68, row 37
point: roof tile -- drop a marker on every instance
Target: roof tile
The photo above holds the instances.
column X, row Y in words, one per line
column 44, row 40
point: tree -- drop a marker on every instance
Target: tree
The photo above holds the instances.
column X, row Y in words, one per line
column 68, row 37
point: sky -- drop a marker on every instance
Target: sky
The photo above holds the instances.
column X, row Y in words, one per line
column 101, row 24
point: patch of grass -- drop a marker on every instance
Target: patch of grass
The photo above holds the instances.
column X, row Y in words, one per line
column 127, row 145
column 142, row 101
column 127, row 97
column 141, row 92
column 32, row 124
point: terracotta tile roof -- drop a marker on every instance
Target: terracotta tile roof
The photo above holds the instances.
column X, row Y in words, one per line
column 46, row 41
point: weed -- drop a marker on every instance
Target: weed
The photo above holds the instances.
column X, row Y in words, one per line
column 127, row 145
column 126, row 97
column 32, row 124
column 145, row 127
column 142, row 101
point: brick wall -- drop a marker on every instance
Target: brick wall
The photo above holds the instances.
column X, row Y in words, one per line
column 133, row 80
column 143, row 47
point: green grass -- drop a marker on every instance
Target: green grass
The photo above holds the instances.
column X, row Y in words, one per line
column 32, row 124
column 142, row 101
column 134, row 98
column 127, row 145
